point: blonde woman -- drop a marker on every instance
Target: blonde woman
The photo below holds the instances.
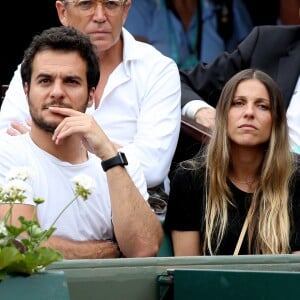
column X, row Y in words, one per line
column 240, row 195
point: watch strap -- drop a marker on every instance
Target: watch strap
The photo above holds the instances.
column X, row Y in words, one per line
column 118, row 160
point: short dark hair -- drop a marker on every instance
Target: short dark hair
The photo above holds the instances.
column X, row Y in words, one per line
column 67, row 39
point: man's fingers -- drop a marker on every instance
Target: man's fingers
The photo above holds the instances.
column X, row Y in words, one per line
column 64, row 111
column 19, row 128
column 72, row 125
column 13, row 132
column 29, row 122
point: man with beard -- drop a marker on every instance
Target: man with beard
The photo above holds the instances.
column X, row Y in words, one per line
column 60, row 73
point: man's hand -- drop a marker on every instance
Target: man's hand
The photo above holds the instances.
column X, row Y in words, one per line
column 91, row 134
column 18, row 128
column 206, row 116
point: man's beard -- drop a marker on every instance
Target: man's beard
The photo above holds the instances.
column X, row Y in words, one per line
column 46, row 126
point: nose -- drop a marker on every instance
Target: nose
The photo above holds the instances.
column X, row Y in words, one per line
column 99, row 13
column 57, row 91
column 249, row 110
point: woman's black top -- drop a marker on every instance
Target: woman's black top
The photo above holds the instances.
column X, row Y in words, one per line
column 186, row 210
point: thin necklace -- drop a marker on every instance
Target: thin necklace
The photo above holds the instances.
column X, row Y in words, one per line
column 247, row 182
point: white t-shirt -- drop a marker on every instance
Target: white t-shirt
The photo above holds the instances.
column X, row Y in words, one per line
column 83, row 220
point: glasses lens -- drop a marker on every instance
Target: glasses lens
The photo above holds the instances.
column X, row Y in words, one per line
column 88, row 7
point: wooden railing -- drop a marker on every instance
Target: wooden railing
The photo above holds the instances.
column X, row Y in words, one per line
column 195, row 130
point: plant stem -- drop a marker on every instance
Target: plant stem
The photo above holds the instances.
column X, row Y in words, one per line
column 62, row 211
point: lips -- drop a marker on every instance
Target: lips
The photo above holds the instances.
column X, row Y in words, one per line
column 247, row 126
column 98, row 33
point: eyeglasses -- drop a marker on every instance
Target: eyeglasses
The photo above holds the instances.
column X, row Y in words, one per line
column 88, row 7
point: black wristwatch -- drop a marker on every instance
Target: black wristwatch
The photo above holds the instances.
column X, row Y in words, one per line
column 118, row 160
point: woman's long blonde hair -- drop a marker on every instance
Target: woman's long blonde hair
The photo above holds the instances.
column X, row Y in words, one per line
column 269, row 225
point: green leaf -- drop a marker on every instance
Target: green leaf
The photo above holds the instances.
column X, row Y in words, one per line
column 13, row 262
column 8, row 256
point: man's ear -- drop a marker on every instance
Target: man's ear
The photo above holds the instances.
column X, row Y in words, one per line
column 61, row 13
column 127, row 6
column 91, row 97
column 26, row 89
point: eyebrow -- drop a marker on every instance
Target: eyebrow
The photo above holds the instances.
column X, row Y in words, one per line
column 67, row 77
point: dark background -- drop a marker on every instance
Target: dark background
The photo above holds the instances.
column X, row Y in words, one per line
column 263, row 12
column 20, row 21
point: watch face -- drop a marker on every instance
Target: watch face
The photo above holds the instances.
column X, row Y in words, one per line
column 123, row 158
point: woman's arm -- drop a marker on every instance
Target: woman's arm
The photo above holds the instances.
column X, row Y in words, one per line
column 186, row 243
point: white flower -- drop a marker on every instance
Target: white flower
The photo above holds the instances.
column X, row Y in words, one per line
column 15, row 191
column 84, row 182
column 3, row 229
column 22, row 173
column 84, row 185
column 16, row 185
